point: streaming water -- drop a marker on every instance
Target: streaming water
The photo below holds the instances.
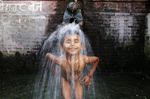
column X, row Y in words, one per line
column 48, row 82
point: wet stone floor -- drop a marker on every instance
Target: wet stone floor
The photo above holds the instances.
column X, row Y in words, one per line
column 108, row 86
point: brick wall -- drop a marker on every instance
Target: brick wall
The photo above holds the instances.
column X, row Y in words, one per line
column 147, row 37
column 115, row 28
column 23, row 24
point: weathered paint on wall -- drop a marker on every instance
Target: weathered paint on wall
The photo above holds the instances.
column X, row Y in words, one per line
column 116, row 28
column 147, row 37
column 23, row 24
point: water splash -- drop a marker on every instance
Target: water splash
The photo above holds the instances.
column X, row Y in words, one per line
column 48, row 83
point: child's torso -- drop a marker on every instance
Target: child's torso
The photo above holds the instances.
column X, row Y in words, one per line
column 73, row 70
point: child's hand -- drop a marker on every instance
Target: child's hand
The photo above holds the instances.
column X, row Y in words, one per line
column 87, row 80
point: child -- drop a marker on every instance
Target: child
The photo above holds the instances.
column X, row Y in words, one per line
column 73, row 14
column 73, row 63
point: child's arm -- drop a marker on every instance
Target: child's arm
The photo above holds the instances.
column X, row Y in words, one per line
column 94, row 61
column 54, row 58
column 90, row 60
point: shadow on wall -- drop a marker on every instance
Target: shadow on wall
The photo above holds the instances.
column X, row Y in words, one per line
column 147, row 41
column 103, row 29
column 18, row 63
column 148, row 6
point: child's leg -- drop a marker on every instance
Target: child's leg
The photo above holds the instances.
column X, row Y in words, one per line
column 66, row 89
column 78, row 90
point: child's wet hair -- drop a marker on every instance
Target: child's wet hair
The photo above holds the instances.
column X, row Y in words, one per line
column 70, row 29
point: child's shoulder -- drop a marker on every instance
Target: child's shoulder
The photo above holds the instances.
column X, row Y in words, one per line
column 63, row 58
column 84, row 57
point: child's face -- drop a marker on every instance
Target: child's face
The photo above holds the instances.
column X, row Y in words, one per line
column 72, row 44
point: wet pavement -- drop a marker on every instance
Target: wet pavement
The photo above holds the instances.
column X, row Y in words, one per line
column 123, row 86
column 108, row 86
